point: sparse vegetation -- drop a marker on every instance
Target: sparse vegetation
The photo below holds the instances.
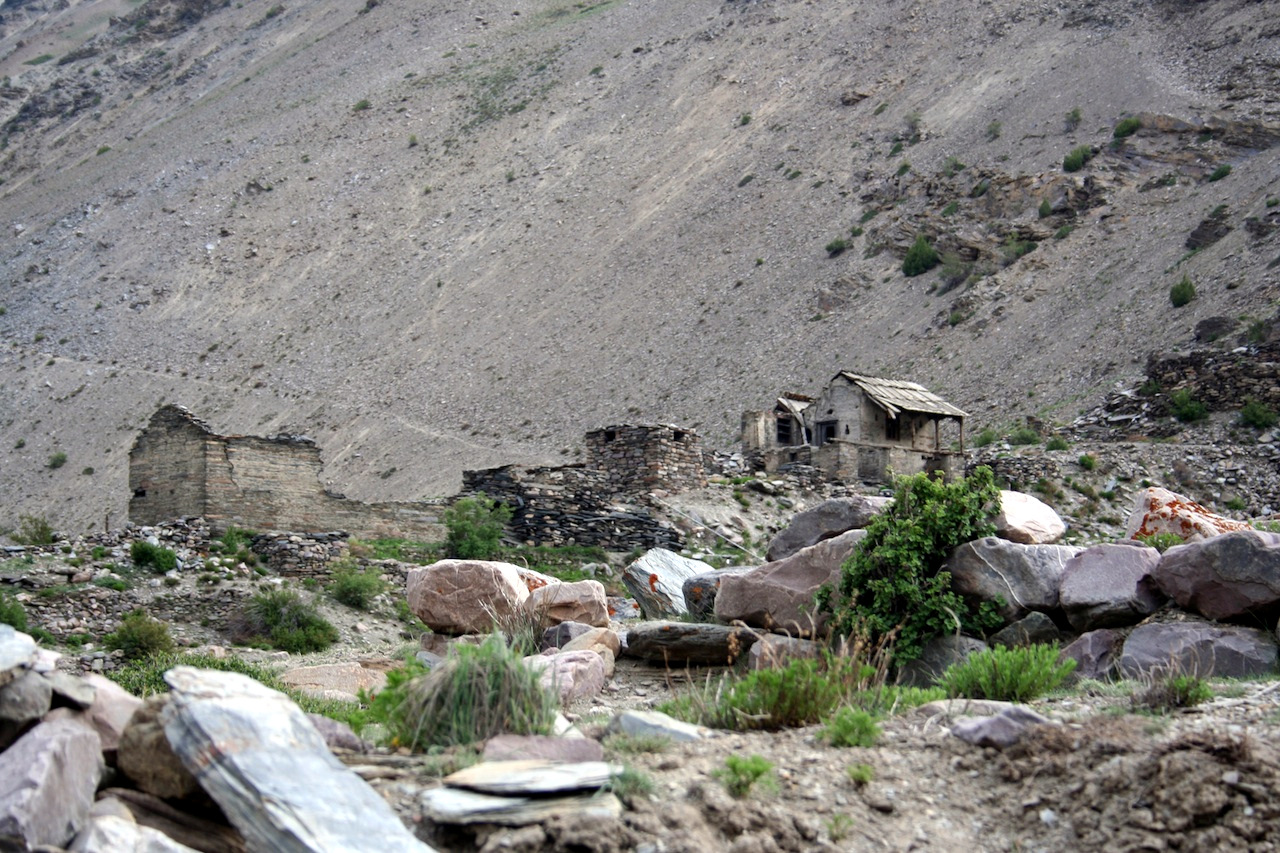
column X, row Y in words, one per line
column 952, row 166
column 1126, row 127
column 741, row 773
column 1219, row 173
column 1023, row 435
column 281, row 619
column 951, row 208
column 1008, row 674
column 985, row 437
column 1045, row 209
column 1186, row 408
column 160, row 559
column 851, row 727
column 1077, row 159
column 836, row 246
column 1056, row 442
column 1173, row 692
column 355, row 587
column 921, row 258
column 139, row 636
column 1072, row 120
column 57, row 460
column 361, row 105
column 1257, row 415
column 12, row 612
column 1182, row 293
column 1161, row 541
column 1087, row 461
column 994, row 130
column 33, row 530
column 475, row 527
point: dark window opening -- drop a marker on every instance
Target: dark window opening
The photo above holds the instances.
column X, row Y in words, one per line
column 784, row 431
column 892, row 429
column 827, row 431
column 610, row 435
column 678, row 435
column 139, row 493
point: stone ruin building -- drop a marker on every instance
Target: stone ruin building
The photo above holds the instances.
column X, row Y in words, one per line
column 608, row 499
column 180, row 468
column 858, row 429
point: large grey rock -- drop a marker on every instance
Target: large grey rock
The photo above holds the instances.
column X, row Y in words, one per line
column 118, row 834
column 1095, row 653
column 824, row 521
column 774, row 651
column 17, row 650
column 638, row 723
column 1000, row 731
column 779, row 596
column 580, row 601
column 458, row 806
column 341, row 681
column 465, row 596
column 1158, row 510
column 1017, row 578
column 1224, row 577
column 938, row 654
column 557, row 636
column 1198, row 648
column 1110, row 586
column 1027, row 520
column 27, row 697
column 145, row 756
column 70, row 691
column 1031, row 629
column 258, row 756
column 700, row 591
column 657, row 579
column 687, row 642
column 47, row 780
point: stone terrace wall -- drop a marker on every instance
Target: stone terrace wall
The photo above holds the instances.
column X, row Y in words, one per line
column 566, row 505
column 636, row 459
column 1222, row 380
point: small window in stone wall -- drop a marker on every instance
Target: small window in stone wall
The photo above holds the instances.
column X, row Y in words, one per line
column 139, row 493
column 610, row 435
column 678, row 435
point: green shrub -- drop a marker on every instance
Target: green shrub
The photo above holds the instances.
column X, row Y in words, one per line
column 1014, row 247
column 860, row 774
column 836, row 246
column 1008, row 674
column 1076, row 160
column 952, row 166
column 1173, row 692
column 1045, row 209
column 1072, row 120
column 1182, row 292
column 139, row 636
column 475, row 527
column 355, row 587
column 1161, row 541
column 1057, row 442
column 629, row 785
column 1126, row 127
column 361, row 105
column 117, row 584
column 741, row 773
column 985, row 437
column 476, row 693
column 281, row 619
column 851, row 727
column 1220, row 172
column 893, row 582
column 57, row 460
column 33, row 530
column 1063, row 233
column 993, row 131
column 1186, row 408
column 921, row 258
column 903, row 169
column 160, row 559
column 1024, row 435
column 951, row 208
column 1257, row 415
column 1087, row 461
column 12, row 612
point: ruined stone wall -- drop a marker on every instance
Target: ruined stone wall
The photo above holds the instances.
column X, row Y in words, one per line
column 1223, row 381
column 568, row 505
column 636, row 459
column 167, row 469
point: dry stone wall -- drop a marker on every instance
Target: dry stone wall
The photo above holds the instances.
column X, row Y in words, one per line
column 642, row 457
column 1222, row 380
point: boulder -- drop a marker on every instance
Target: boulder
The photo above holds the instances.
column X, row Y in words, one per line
column 534, row 580
column 70, row 691
column 335, row 680
column 47, row 780
column 657, row 581
column 688, row 642
column 1231, row 575
column 1035, row 627
column 581, row 601
column 570, row 675
column 779, row 596
column 1158, row 510
column 25, row 698
column 1198, row 648
column 532, row 777
column 557, row 636
column 1110, row 586
column 116, row 834
column 17, row 651
column 144, row 755
column 1017, row 578
column 824, row 521
column 700, row 591
column 938, row 654
column 1027, row 520
column 258, row 756
column 542, row 747
column 1000, row 731
column 774, row 651
column 1095, row 653
column 465, row 596
column 596, row 637
column 112, row 708
column 638, row 723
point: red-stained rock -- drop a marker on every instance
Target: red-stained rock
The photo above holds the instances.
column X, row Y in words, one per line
column 1162, row 511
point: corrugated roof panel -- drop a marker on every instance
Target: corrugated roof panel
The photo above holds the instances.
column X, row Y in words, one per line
column 898, row 395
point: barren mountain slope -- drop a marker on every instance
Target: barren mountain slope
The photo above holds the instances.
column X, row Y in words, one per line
column 445, row 235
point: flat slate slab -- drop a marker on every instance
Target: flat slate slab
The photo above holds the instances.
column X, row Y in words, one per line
column 532, row 777
column 456, row 806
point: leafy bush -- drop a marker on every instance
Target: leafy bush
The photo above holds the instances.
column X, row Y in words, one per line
column 741, row 773
column 921, row 258
column 1057, row 442
column 851, row 727
column 860, row 774
column 836, row 246
column 12, row 612
column 476, row 693
column 1258, row 415
column 33, row 530
column 892, row 582
column 361, row 105
column 1024, row 435
column 1045, row 209
column 160, row 559
column 1008, row 674
column 57, row 460
column 475, row 527
column 1015, row 247
column 1220, row 172
column 1173, row 692
column 355, row 587
column 1187, row 408
column 1063, row 233
column 1076, row 160
column 1161, row 541
column 281, row 619
column 985, row 437
column 1126, row 127
column 139, row 636
column 1182, row 292
column 1087, row 461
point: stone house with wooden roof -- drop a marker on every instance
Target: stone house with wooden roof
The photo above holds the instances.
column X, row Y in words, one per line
column 859, row 428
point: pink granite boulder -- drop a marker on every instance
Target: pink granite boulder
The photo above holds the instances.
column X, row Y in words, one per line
column 465, row 596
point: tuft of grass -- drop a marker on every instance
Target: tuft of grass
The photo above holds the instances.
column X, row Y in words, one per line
column 836, row 246
column 355, row 587
column 478, row 692
column 851, row 727
column 1187, row 408
column 12, row 612
column 33, row 530
column 860, row 774
column 741, row 773
column 139, row 636
column 994, row 130
column 1024, row 435
column 624, row 744
column 1161, row 541
column 281, row 619
column 361, row 105
column 1173, row 692
column 57, row 460
column 1087, row 461
column 1257, row 415
column 985, row 437
column 1126, row 127
column 921, row 258
column 1072, row 119
column 1077, row 158
column 1057, row 442
column 160, row 559
column 1063, row 232
column 630, row 785
column 1182, row 293
column 1008, row 674
column 1219, row 173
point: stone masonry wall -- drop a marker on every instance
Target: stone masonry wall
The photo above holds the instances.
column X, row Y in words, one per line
column 636, row 459
column 1222, row 380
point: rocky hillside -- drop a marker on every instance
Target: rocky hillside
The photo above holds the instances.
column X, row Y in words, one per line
column 438, row 236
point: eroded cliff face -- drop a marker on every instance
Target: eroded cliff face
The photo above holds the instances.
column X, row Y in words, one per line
column 440, row 238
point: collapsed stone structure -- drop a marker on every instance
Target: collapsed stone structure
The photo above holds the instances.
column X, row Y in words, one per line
column 179, row 468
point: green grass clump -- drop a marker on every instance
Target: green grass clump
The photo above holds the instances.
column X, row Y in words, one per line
column 741, row 773
column 1008, row 674
column 139, row 636
column 625, row 744
column 476, row 693
column 57, row 460
column 1257, row 415
column 851, row 727
column 355, row 587
column 1076, row 160
column 1024, row 435
column 281, row 619
column 1161, row 541
column 1057, row 442
column 160, row 559
column 1182, row 293
column 1220, row 172
column 860, row 774
column 921, row 258
column 1045, row 208
column 1126, row 127
column 12, row 612
column 985, row 437
column 475, row 527
column 1172, row 693
column 836, row 246
column 629, row 785
column 1087, row 461
column 1186, row 408
column 893, row 583
column 33, row 530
